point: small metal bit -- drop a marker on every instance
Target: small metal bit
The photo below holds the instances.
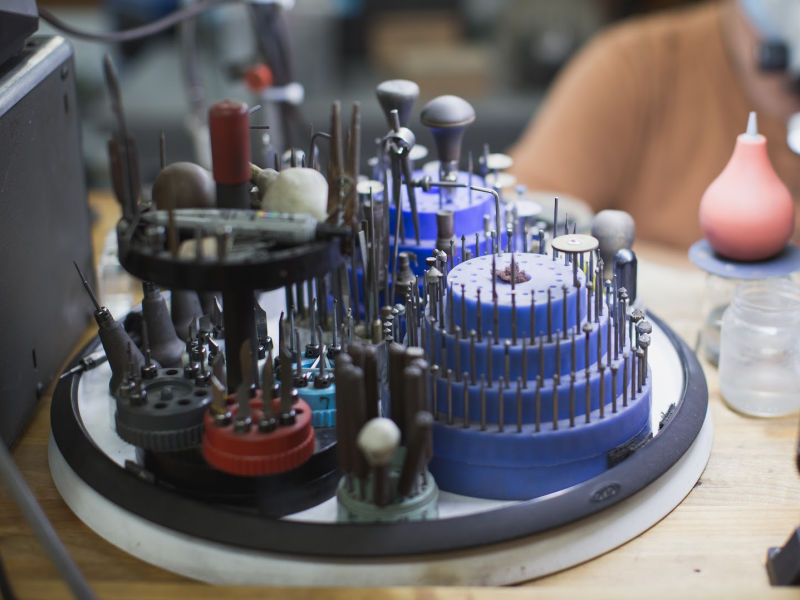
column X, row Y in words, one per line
column 463, row 248
column 578, row 317
column 457, row 351
column 608, row 341
column 614, row 368
column 556, row 382
column 478, row 314
column 513, row 272
column 542, row 248
column 519, row 405
column 431, row 347
column 434, row 391
column 525, row 240
column 588, row 389
column 298, row 378
column 87, row 287
column 291, row 333
column 514, row 318
column 463, row 311
column 510, row 239
column 493, row 275
column 444, row 352
column 477, row 245
column 625, row 357
column 602, row 401
column 533, row 316
column 451, row 257
column 642, row 372
column 496, row 319
column 565, row 290
column 538, row 404
column 623, row 316
column 549, row 317
column 589, row 288
column 634, row 377
column 572, row 399
column 440, row 295
column 574, row 270
column 483, row 402
column 494, row 242
column 243, row 419
column 524, row 364
column 555, row 224
column 472, row 368
column 558, row 353
column 644, row 344
column 541, row 357
column 636, row 316
column 572, row 362
column 416, row 457
column 507, row 362
column 449, row 396
column 465, row 384
column 450, row 310
column 587, row 330
column 501, row 385
column 489, row 358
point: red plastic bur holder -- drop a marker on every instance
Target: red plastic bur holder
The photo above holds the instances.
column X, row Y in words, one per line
column 229, row 126
column 255, row 453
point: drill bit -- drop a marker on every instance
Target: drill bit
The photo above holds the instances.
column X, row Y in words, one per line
column 489, row 358
column 483, row 402
column 449, row 396
column 478, row 314
column 614, row 368
column 501, row 402
column 564, row 289
column 464, row 310
column 242, row 421
column 572, row 399
column 457, row 351
column 602, row 401
column 533, row 316
column 465, row 384
column 472, row 368
column 625, row 357
column 519, row 405
column 549, row 317
column 538, row 404
column 87, row 287
column 524, row 364
column 507, row 362
column 556, row 382
column 514, row 318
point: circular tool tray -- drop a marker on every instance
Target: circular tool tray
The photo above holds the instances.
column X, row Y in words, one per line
column 474, row 541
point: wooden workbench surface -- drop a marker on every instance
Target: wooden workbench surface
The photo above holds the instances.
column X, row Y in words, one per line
column 712, row 544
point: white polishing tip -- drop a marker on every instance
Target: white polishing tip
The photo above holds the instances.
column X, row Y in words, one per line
column 752, row 125
column 378, row 440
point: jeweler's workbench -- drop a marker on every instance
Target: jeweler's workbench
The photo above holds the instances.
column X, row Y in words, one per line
column 713, row 543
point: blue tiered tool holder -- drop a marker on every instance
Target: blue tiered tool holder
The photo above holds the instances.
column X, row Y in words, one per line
column 512, row 464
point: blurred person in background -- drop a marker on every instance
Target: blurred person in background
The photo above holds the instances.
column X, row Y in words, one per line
column 647, row 114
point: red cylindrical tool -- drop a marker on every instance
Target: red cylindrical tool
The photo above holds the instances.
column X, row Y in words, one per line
column 229, row 126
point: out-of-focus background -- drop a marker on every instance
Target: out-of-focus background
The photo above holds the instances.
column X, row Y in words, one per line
column 499, row 54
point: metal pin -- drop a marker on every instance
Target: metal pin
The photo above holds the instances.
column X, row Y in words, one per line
column 577, row 304
column 564, row 289
column 588, row 411
column 625, row 357
column 434, row 393
column 449, row 396
column 457, row 351
column 501, row 385
column 641, row 355
column 556, row 381
column 589, row 288
column 558, row 353
column 541, row 357
column 478, row 314
column 608, row 341
column 465, row 384
column 472, row 357
column 574, row 270
column 477, row 245
column 533, row 316
column 542, row 248
column 463, row 311
column 519, row 405
column 514, row 318
column 549, row 318
column 510, row 239
column 524, row 364
column 525, row 240
column 440, row 296
column 602, row 390
column 483, row 402
column 463, row 248
column 614, row 368
column 489, row 357
column 513, row 272
column 496, row 319
column 507, row 362
column 555, row 224
column 616, row 338
column 572, row 351
column 451, row 309
column 587, row 330
column 494, row 241
column 572, row 399
column 634, row 378
column 538, row 404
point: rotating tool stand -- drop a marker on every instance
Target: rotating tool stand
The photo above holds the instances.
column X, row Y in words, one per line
column 540, row 385
column 243, row 263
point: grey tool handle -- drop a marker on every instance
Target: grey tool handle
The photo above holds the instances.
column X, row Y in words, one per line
column 400, row 95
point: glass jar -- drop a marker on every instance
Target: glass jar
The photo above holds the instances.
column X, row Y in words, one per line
column 759, row 366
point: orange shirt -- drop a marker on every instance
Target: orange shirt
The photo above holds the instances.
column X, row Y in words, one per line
column 643, row 119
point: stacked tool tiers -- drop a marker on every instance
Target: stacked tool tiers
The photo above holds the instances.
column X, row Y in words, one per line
column 537, row 382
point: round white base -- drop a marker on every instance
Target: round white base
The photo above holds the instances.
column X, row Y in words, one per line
column 498, row 564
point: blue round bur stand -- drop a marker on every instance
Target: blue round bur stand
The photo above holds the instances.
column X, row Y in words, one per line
column 784, row 263
column 524, row 439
